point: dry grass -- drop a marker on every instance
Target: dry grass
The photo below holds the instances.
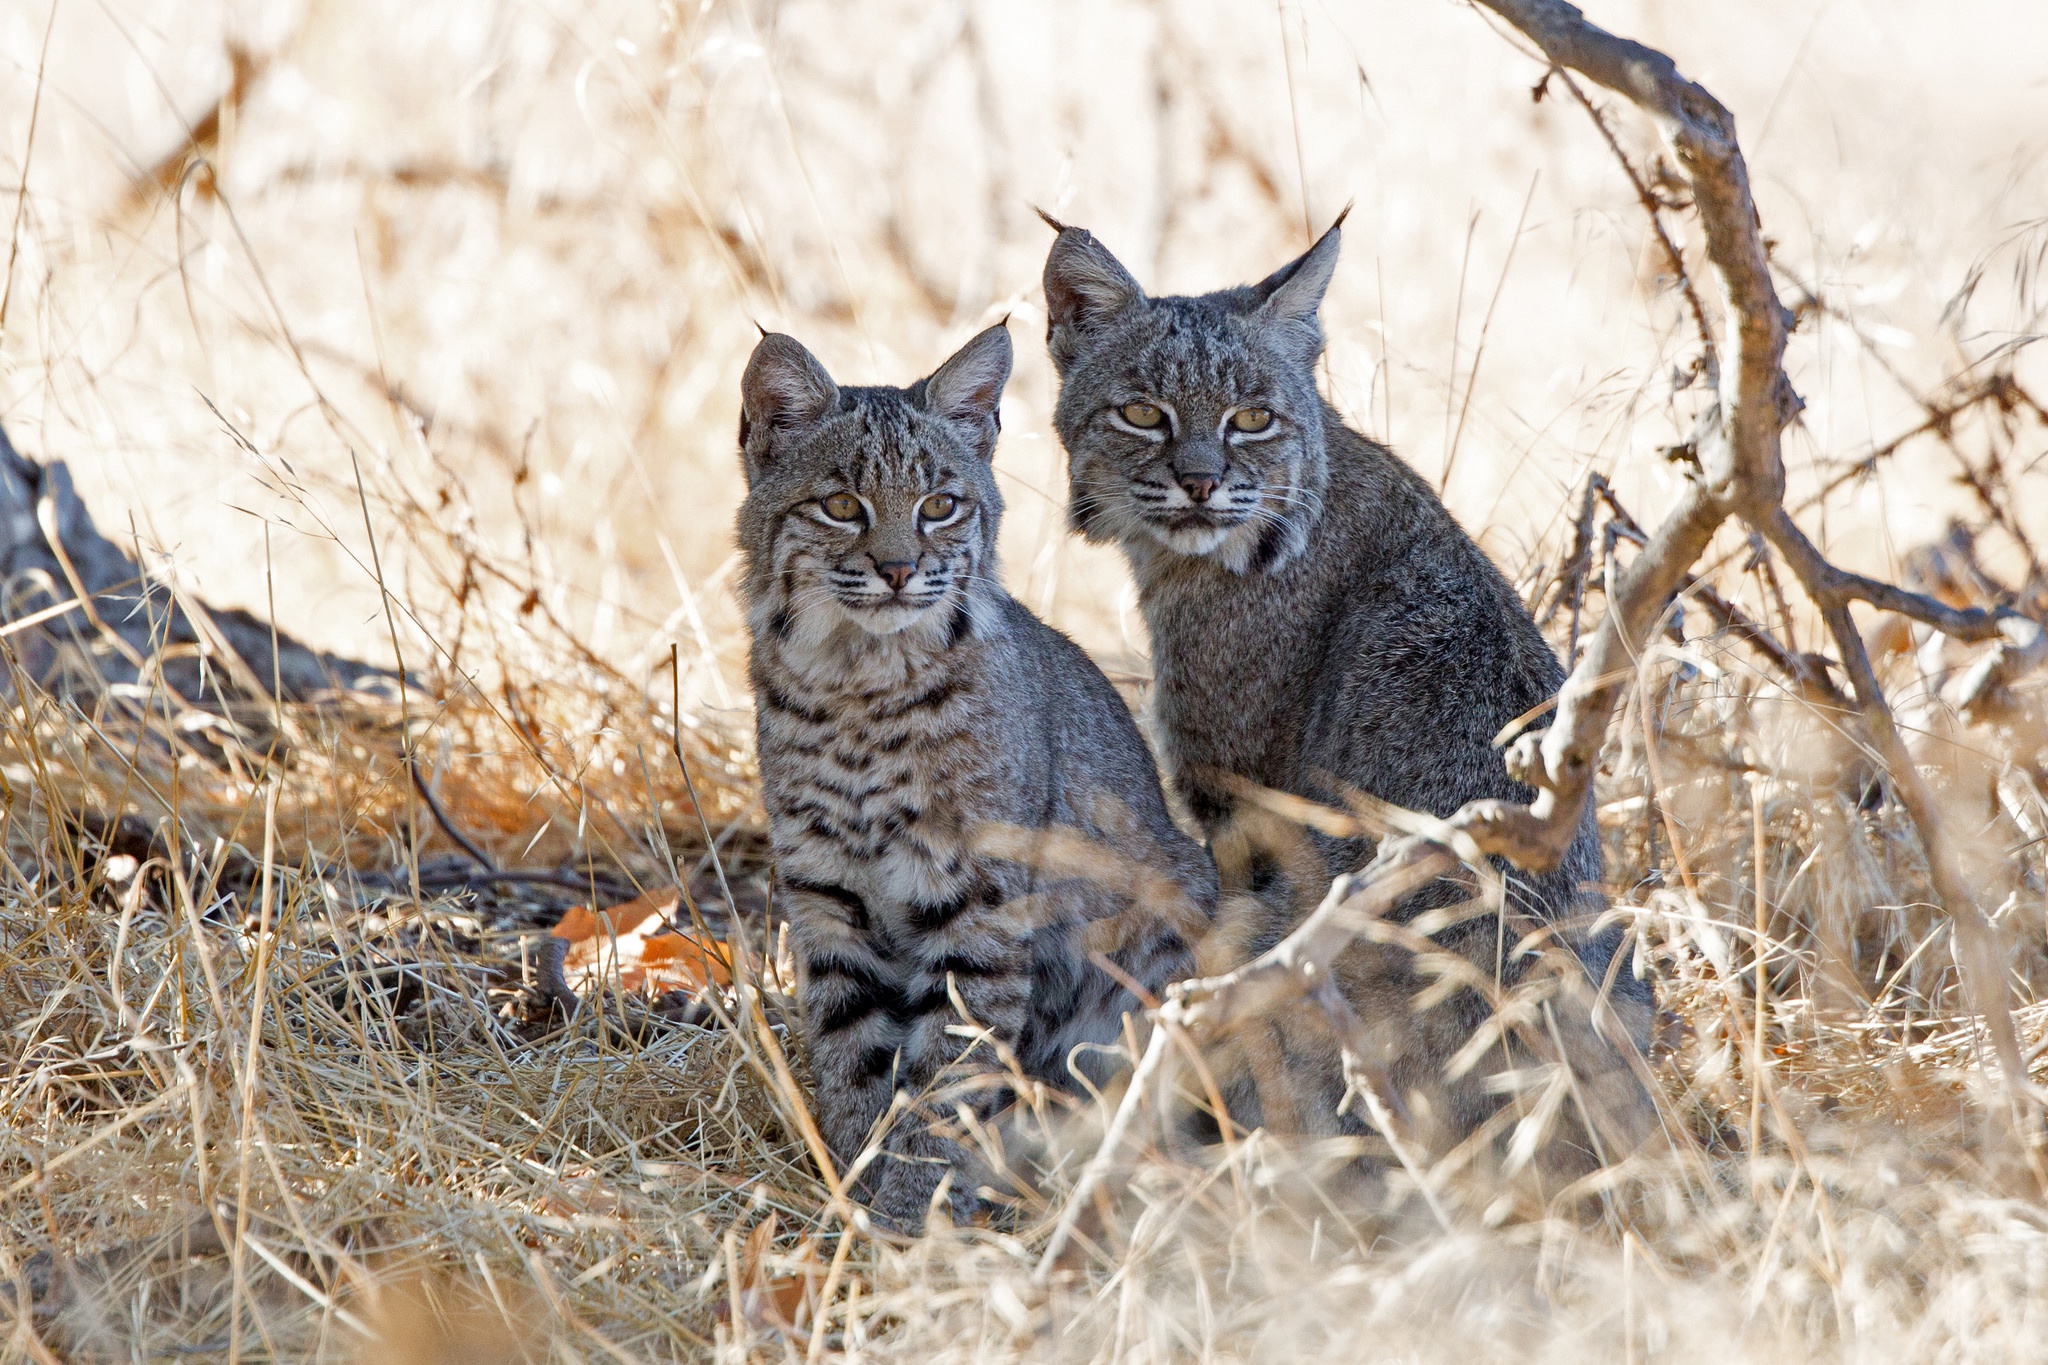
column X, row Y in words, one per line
column 442, row 361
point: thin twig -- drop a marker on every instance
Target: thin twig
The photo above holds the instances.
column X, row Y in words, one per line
column 1485, row 329
column 1653, row 209
column 448, row 826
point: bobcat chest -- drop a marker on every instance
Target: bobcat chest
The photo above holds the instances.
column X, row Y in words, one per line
column 1225, row 685
column 878, row 795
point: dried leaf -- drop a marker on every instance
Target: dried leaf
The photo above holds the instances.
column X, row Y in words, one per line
column 778, row 1291
column 636, row 943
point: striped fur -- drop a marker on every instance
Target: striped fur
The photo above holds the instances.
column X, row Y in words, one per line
column 961, row 805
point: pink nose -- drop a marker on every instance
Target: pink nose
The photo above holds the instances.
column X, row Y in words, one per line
column 1198, row 487
column 896, row 572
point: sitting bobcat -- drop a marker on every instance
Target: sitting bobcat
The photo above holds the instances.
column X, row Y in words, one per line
column 961, row 806
column 1321, row 626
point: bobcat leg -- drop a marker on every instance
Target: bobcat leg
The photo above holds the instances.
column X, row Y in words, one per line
column 878, row 1027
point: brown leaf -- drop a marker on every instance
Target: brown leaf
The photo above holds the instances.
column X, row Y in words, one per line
column 778, row 1291
column 636, row 942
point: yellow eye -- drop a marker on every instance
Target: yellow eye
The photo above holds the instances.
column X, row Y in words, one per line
column 1251, row 419
column 842, row 507
column 938, row 506
column 1142, row 414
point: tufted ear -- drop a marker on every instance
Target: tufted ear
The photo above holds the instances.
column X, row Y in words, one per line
column 784, row 388
column 1085, row 287
column 968, row 389
column 1295, row 291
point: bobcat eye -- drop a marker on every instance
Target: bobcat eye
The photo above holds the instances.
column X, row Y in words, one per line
column 1142, row 414
column 1251, row 419
column 842, row 507
column 938, row 506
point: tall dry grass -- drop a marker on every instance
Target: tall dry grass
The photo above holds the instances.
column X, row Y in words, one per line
column 438, row 354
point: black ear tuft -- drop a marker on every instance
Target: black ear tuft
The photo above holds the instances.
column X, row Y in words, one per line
column 968, row 389
column 784, row 387
column 1085, row 287
column 1296, row 289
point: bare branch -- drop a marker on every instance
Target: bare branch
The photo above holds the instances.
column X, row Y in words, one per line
column 1998, row 389
column 1755, row 401
column 1742, row 474
column 1828, row 584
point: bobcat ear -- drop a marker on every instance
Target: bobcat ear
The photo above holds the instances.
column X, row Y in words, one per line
column 784, row 387
column 1295, row 290
column 1085, row 287
column 968, row 389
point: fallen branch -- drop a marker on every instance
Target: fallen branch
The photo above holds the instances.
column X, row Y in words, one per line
column 81, row 613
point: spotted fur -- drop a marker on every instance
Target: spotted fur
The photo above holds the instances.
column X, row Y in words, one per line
column 1320, row 625
column 961, row 806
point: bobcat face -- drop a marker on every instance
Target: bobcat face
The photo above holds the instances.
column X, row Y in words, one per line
column 880, row 531
column 1198, row 441
column 871, row 508
column 1192, row 424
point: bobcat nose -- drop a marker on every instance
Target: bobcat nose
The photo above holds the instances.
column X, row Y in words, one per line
column 1198, row 487
column 896, row 572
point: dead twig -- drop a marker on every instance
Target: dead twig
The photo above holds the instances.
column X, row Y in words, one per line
column 1741, row 474
column 1653, row 209
column 1297, row 966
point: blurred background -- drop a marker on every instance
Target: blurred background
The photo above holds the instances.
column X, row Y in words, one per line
column 501, row 262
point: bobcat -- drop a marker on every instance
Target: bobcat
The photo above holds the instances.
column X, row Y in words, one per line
column 1322, row 627
column 961, row 806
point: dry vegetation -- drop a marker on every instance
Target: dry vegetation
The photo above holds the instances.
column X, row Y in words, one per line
column 433, row 357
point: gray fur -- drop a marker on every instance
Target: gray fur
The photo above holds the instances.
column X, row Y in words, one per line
column 957, row 795
column 1320, row 624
